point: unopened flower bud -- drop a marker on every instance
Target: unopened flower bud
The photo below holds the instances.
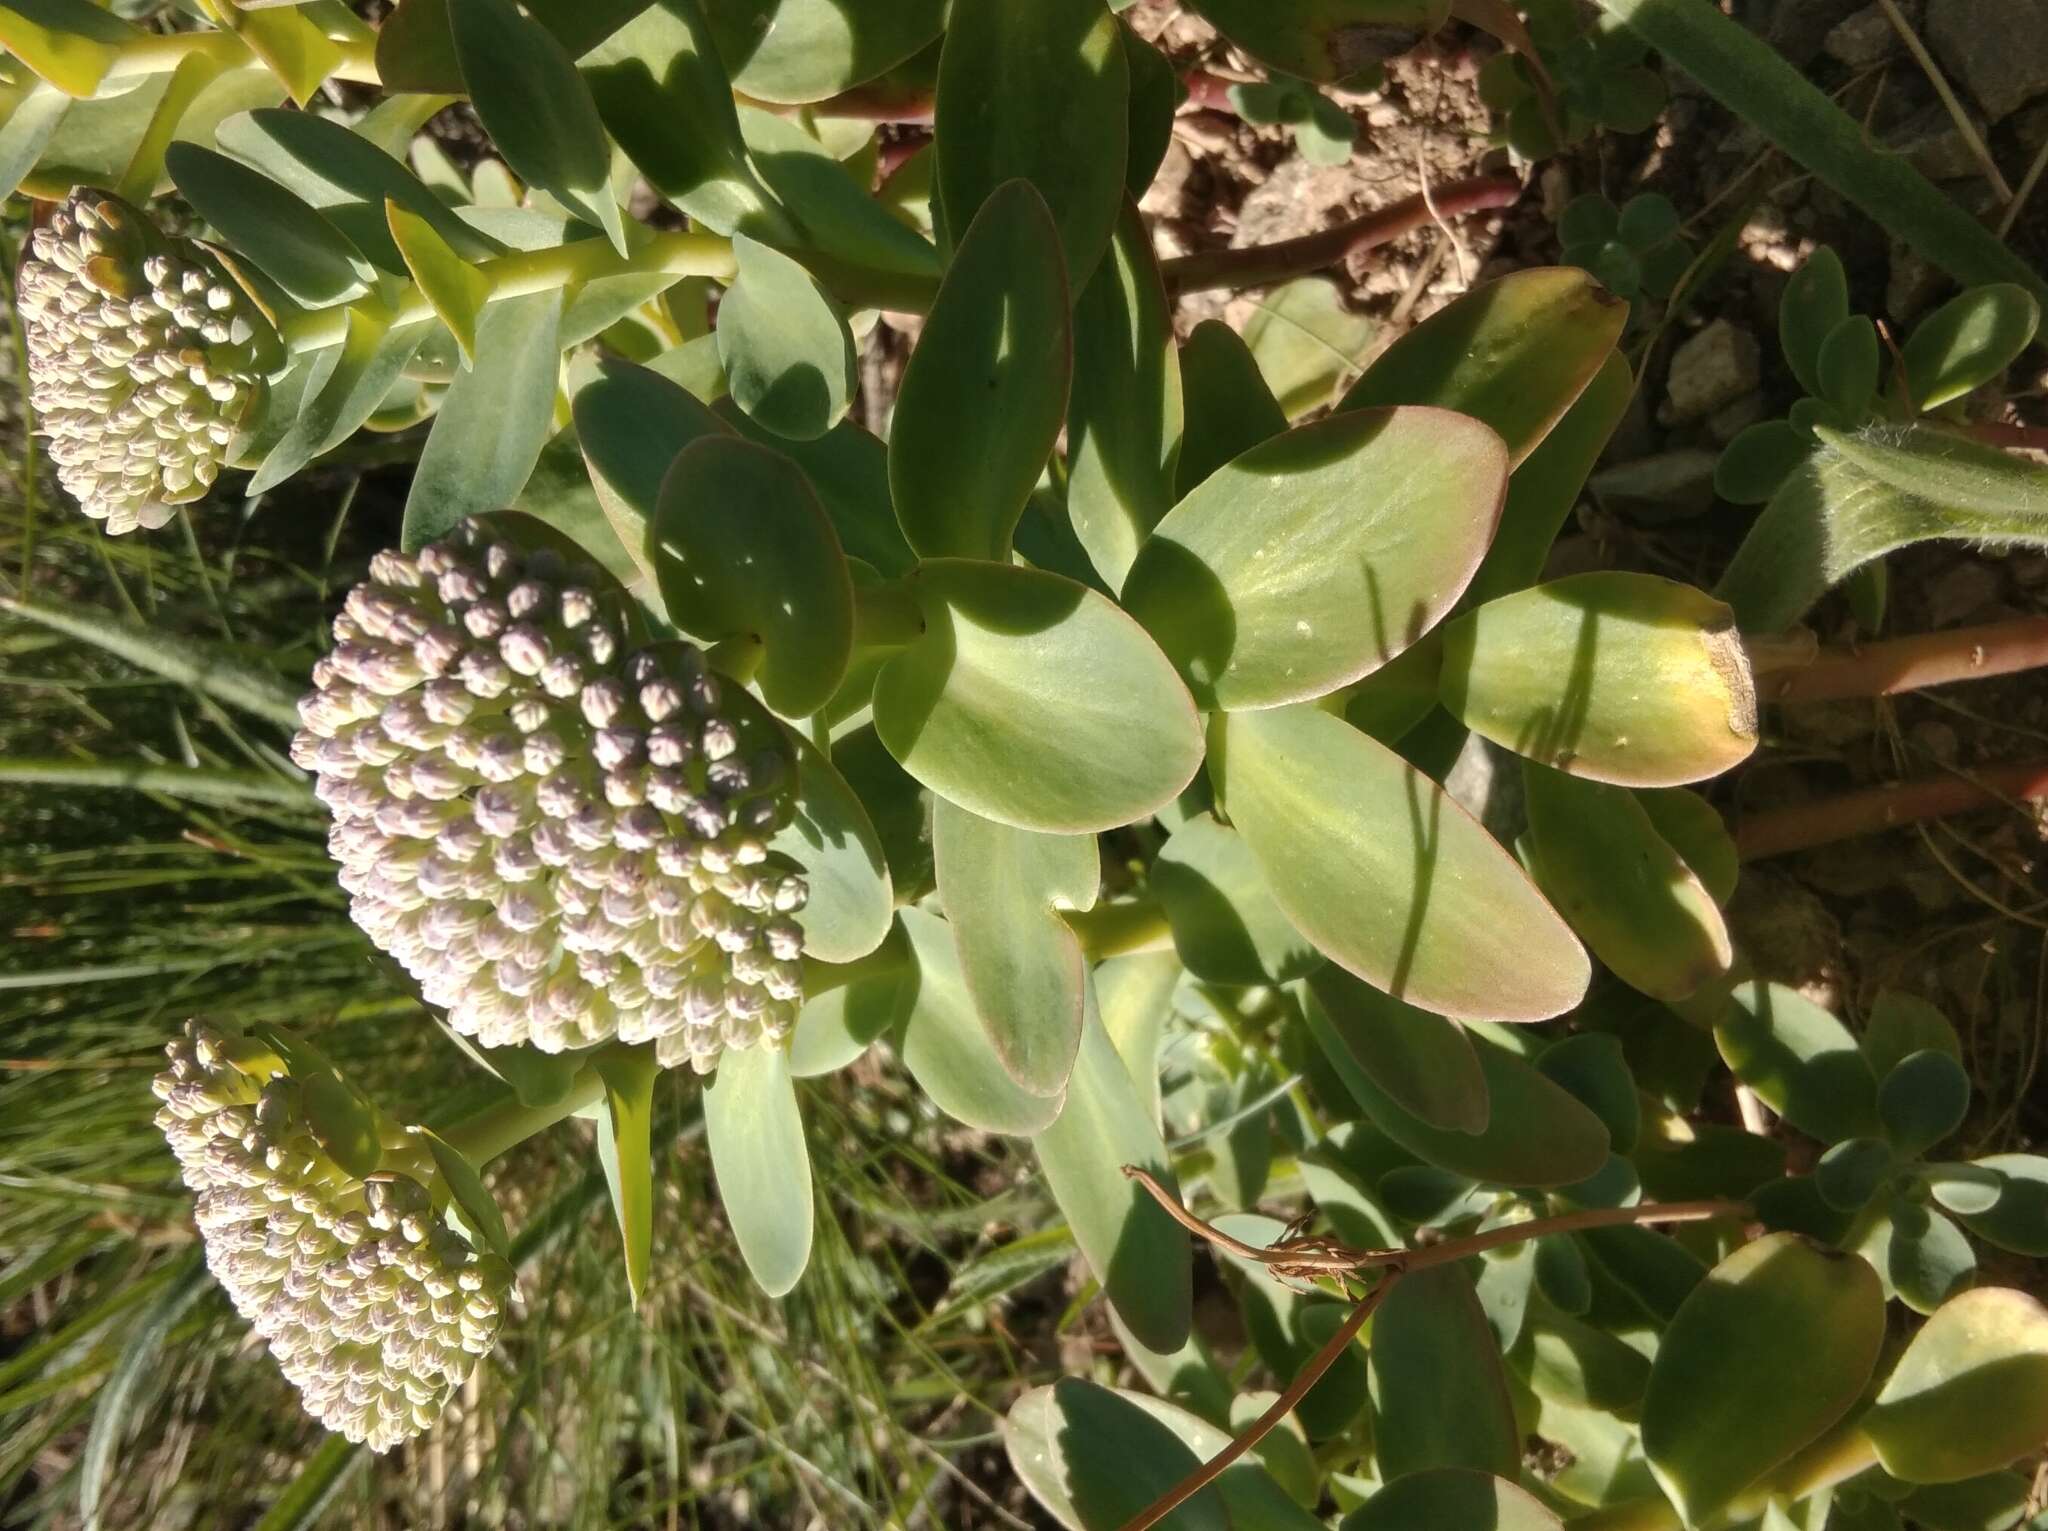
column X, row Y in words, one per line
column 140, row 360
column 339, row 1276
column 597, row 821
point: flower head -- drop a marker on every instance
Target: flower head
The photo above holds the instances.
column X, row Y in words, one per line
column 565, row 841
column 374, row 1308
column 140, row 359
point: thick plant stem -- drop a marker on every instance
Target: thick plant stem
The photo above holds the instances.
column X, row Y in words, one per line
column 1264, row 265
column 1281, row 1407
column 1783, row 830
column 1122, row 928
column 496, row 1129
column 1909, row 664
column 886, row 616
column 677, row 254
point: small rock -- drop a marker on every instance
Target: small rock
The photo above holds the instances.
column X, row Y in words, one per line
column 1788, row 934
column 1964, row 590
column 1936, row 145
column 1799, row 28
column 1715, row 367
column 1864, row 40
column 1936, row 739
column 1731, row 420
column 1487, row 783
column 1997, row 49
column 1912, row 283
column 1667, row 487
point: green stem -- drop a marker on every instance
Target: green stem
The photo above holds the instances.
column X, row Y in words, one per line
column 737, row 657
column 495, row 1129
column 886, row 616
column 677, row 254
column 1121, row 928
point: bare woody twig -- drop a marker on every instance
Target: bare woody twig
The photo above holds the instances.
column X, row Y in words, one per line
column 1264, row 265
column 1908, row 664
column 1312, row 1256
column 1807, row 825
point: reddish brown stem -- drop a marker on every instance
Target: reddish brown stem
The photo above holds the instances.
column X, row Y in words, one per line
column 1879, row 808
column 1997, row 434
column 1281, row 1407
column 1263, row 265
column 1908, row 664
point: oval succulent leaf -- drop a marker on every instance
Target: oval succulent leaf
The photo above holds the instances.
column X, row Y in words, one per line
column 1226, row 925
column 741, row 547
column 1386, row 874
column 794, row 51
column 787, row 353
column 832, row 838
column 1229, row 409
column 1003, row 890
column 946, row 1048
column 756, row 1137
column 1970, row 1394
column 293, row 244
column 1967, row 342
column 1439, row 1392
column 1624, row 678
column 1514, row 353
column 1136, row 1250
column 1094, row 1457
column 1040, row 93
column 1770, row 1350
column 1452, row 1496
column 1595, row 853
column 985, row 392
column 537, row 108
column 1033, row 701
column 1800, row 1060
column 631, row 421
column 1320, row 554
column 1424, row 1063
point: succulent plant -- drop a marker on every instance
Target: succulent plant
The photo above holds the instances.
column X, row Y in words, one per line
column 561, row 835
column 141, row 355
column 373, row 1307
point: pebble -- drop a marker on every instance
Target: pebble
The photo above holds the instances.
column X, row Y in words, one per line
column 1715, row 367
column 1997, row 50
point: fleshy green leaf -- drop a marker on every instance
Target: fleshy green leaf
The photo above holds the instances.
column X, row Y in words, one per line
column 1451, row 1497
column 1514, row 353
column 1547, row 484
column 1033, row 701
column 1228, row 407
column 1901, row 1024
column 1970, row 1394
column 1536, row 1133
column 946, row 1047
column 985, row 392
column 1862, row 496
column 1922, row 1100
column 663, row 95
column 493, row 421
column 2019, row 1222
column 1386, row 874
column 1815, row 301
column 837, row 1026
column 1967, row 342
column 1306, row 342
column 1593, row 1067
column 1134, row 994
column 1038, row 92
column 296, row 247
column 1423, row 1063
column 1156, row 93
column 1584, row 1366
column 1226, row 926
column 1758, row 461
column 537, row 109
column 835, row 842
column 478, row 1208
column 1694, row 828
column 342, row 1122
column 1768, row 1352
column 1320, row 554
column 631, row 422
column 1003, row 890
column 807, row 50
column 1635, row 903
column 372, row 358
column 1136, row 1250
column 1924, row 1258
column 1440, row 1396
column 1848, row 365
column 756, row 1136
column 741, row 546
column 1124, row 414
column 1324, row 40
column 629, row 1075
column 1800, row 1060
column 1094, row 1458
column 1624, row 678
column 787, row 353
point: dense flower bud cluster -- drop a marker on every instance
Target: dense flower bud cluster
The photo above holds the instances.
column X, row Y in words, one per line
column 374, row 1308
column 138, row 359
column 563, row 841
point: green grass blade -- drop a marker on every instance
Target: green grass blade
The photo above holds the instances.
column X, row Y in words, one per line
column 110, row 1416
column 1752, row 80
column 205, row 667
column 198, row 784
column 301, row 1505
